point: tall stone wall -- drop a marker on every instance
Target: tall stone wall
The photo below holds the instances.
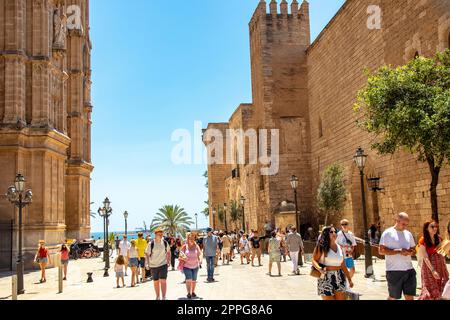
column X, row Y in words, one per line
column 336, row 61
column 40, row 42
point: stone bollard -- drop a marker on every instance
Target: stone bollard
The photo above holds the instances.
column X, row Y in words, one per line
column 90, row 280
column 14, row 287
column 60, row 279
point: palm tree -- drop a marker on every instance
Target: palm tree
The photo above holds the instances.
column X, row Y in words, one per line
column 172, row 219
column 92, row 213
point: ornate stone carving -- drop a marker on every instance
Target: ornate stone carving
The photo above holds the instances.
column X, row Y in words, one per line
column 59, row 29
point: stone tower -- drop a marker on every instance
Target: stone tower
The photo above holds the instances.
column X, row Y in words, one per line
column 45, row 115
column 279, row 40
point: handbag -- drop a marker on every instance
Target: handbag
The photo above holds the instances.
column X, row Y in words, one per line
column 315, row 273
column 350, row 295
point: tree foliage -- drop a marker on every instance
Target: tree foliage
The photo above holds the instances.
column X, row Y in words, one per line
column 332, row 194
column 172, row 219
column 408, row 108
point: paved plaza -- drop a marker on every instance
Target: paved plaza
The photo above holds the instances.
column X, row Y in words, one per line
column 234, row 282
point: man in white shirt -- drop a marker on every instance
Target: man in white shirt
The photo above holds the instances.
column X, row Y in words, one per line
column 347, row 241
column 398, row 245
column 158, row 257
column 295, row 245
column 124, row 246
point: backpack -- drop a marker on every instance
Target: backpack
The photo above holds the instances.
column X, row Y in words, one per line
column 152, row 245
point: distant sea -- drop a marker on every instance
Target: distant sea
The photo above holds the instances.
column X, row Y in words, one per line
column 131, row 234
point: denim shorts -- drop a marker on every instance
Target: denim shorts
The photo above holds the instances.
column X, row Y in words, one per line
column 65, row 262
column 191, row 274
column 119, row 274
column 133, row 263
column 43, row 260
column 141, row 262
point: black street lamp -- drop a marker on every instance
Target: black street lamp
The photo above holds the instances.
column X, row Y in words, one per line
column 125, row 215
column 225, row 207
column 105, row 213
column 294, row 185
column 242, row 200
column 360, row 159
column 196, row 221
column 20, row 198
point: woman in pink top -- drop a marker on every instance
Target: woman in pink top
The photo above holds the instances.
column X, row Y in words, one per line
column 64, row 259
column 190, row 258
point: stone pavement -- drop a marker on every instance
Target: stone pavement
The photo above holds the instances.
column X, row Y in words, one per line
column 234, row 282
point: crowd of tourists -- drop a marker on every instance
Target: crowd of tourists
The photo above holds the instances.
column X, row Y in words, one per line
column 332, row 260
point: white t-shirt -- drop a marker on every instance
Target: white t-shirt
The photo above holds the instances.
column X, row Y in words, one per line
column 394, row 239
column 158, row 256
column 342, row 241
column 124, row 246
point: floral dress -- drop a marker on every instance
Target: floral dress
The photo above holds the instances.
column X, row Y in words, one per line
column 432, row 288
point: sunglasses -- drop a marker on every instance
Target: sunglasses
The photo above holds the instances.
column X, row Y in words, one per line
column 333, row 232
column 344, row 224
column 434, row 227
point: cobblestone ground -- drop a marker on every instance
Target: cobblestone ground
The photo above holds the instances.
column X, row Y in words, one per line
column 234, row 282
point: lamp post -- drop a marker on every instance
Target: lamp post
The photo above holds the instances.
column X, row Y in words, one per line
column 360, row 159
column 196, row 221
column 242, row 200
column 225, row 207
column 125, row 215
column 294, row 185
column 20, row 198
column 105, row 213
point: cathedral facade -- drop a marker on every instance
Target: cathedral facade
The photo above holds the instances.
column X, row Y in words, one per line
column 45, row 117
column 306, row 90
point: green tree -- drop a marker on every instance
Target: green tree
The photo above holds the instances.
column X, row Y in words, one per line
column 206, row 209
column 332, row 194
column 172, row 219
column 408, row 108
column 235, row 212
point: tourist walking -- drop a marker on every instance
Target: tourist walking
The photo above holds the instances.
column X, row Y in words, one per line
column 116, row 244
column 255, row 245
column 347, row 241
column 283, row 246
column 295, row 246
column 119, row 268
column 133, row 262
column 398, row 245
column 173, row 252
column 191, row 260
column 141, row 245
column 226, row 248
column 434, row 271
column 374, row 235
column 42, row 258
column 124, row 246
column 244, row 249
column 65, row 252
column 158, row 253
column 210, row 248
column 274, row 253
column 328, row 259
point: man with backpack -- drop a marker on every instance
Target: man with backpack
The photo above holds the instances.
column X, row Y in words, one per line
column 158, row 255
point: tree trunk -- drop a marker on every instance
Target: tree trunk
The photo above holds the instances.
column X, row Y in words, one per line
column 433, row 188
column 326, row 219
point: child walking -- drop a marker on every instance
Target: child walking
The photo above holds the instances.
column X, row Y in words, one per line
column 119, row 269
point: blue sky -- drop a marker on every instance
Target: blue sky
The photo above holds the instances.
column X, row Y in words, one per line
column 159, row 66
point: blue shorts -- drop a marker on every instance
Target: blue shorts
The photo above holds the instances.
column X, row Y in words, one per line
column 350, row 263
column 133, row 262
column 191, row 274
column 141, row 263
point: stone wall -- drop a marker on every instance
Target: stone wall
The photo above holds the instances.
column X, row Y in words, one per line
column 45, row 115
column 336, row 61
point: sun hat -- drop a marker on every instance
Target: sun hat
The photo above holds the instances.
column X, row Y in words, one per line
column 158, row 230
